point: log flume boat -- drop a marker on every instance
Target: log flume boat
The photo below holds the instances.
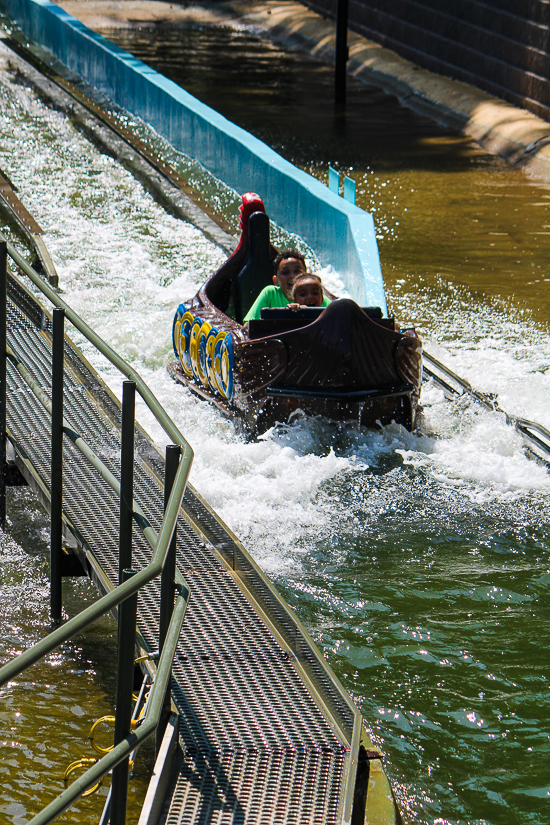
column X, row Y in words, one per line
column 343, row 362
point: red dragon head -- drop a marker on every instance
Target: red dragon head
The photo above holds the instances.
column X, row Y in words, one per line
column 251, row 203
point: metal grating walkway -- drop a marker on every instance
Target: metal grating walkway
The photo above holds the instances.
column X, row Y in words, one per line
column 256, row 744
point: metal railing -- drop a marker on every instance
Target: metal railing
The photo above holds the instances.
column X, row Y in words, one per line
column 174, row 590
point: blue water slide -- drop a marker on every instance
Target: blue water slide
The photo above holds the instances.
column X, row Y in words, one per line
column 340, row 233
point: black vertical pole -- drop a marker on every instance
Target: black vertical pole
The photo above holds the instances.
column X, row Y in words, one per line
column 167, row 579
column 341, row 56
column 56, row 524
column 127, row 611
column 126, row 476
column 3, row 377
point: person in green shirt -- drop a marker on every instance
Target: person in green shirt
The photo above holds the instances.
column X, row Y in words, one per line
column 288, row 264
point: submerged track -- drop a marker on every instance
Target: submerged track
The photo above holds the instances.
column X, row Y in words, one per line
column 535, row 435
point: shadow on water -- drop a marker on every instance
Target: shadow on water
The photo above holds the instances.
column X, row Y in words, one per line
column 285, row 99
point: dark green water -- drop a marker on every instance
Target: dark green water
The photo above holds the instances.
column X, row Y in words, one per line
column 420, row 563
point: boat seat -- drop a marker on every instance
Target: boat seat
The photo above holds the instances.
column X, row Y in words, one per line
column 277, row 320
column 309, row 313
column 257, row 272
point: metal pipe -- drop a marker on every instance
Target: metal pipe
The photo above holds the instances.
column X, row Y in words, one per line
column 126, row 476
column 3, row 378
column 56, row 509
column 167, row 580
column 127, row 612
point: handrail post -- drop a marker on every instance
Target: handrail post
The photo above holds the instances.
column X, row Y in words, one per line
column 167, row 579
column 126, row 476
column 127, row 611
column 56, row 524
column 3, row 377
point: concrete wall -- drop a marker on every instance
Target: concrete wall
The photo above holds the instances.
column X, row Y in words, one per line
column 501, row 46
column 341, row 234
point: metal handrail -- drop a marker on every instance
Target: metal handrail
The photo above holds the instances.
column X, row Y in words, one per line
column 158, row 411
column 134, row 739
column 160, row 545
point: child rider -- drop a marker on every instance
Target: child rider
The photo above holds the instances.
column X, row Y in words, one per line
column 288, row 264
column 307, row 291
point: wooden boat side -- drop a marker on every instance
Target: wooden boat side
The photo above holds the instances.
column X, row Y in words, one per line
column 343, row 366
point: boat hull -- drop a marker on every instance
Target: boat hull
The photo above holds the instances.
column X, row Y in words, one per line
column 398, row 405
column 343, row 365
column 343, row 362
